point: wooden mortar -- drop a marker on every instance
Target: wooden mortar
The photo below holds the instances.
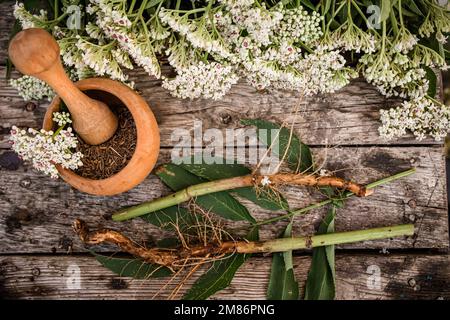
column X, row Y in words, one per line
column 36, row 53
column 147, row 144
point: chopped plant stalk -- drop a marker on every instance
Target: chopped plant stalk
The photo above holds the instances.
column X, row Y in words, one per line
column 193, row 191
column 211, row 251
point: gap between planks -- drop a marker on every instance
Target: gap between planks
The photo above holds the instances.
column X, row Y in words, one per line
column 400, row 277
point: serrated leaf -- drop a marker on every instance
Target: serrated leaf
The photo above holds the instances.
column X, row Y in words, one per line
column 267, row 199
column 432, row 81
column 386, row 7
column 320, row 284
column 221, row 273
column 221, row 203
column 298, row 157
column 132, row 267
column 282, row 283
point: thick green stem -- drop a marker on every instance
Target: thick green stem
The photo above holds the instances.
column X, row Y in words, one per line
column 287, row 244
column 179, row 197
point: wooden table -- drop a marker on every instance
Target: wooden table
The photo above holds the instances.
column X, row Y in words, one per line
column 40, row 255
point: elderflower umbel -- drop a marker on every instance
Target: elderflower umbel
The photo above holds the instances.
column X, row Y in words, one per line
column 28, row 20
column 134, row 42
column 420, row 116
column 31, row 88
column 61, row 118
column 46, row 149
column 208, row 80
column 298, row 24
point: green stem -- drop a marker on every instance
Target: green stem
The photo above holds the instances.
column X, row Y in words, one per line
column 346, row 195
column 335, row 13
column 141, row 10
column 384, row 36
column 179, row 197
column 288, row 244
column 130, row 10
column 360, row 12
column 400, row 13
column 55, row 8
column 57, row 131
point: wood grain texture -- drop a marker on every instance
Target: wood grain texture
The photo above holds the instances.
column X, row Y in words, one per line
column 51, row 277
column 36, row 212
column 6, row 24
column 348, row 117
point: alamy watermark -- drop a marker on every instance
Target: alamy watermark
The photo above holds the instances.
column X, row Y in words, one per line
column 374, row 278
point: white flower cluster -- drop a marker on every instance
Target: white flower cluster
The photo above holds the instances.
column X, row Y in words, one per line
column 31, row 88
column 28, row 20
column 324, row 72
column 100, row 59
column 134, row 41
column 264, row 47
column 297, row 23
column 436, row 20
column 208, row 80
column 61, row 118
column 394, row 75
column 46, row 149
column 420, row 116
column 350, row 38
column 405, row 41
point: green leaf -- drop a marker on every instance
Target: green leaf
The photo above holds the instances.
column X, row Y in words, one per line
column 320, row 284
column 413, row 7
column 298, row 156
column 221, row 273
column 168, row 243
column 326, row 7
column 308, row 3
column 394, row 22
column 217, row 278
column 132, row 267
column 432, row 81
column 221, row 203
column 386, row 6
column 169, row 217
column 152, row 3
column 267, row 198
column 282, row 283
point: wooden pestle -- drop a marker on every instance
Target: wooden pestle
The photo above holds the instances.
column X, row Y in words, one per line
column 36, row 53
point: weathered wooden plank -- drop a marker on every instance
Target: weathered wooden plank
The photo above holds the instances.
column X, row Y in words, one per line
column 55, row 277
column 6, row 24
column 348, row 117
column 36, row 212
